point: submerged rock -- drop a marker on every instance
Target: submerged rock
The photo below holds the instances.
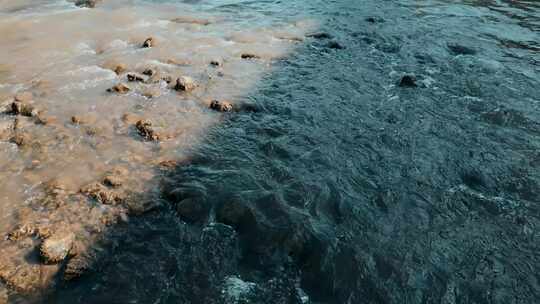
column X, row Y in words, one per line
column 119, row 88
column 321, row 35
column 457, row 49
column 87, row 3
column 185, row 83
column 408, row 81
column 134, row 77
column 24, row 278
column 145, row 129
column 249, row 56
column 6, row 127
column 57, row 247
column 149, row 42
column 193, row 209
column 335, row 45
column 221, row 106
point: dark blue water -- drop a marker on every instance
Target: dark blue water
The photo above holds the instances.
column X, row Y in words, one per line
column 340, row 186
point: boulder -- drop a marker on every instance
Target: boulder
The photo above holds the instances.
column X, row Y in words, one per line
column 57, row 247
column 408, row 81
column 145, row 129
column 221, row 106
column 119, row 88
column 249, row 56
column 149, row 42
column 87, row 3
column 185, row 84
column 134, row 77
column 23, row 108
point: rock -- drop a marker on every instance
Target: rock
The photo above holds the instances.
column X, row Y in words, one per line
column 236, row 291
column 83, row 119
column 193, row 209
column 185, row 83
column 249, row 56
column 87, row 3
column 149, row 42
column 335, row 45
column 57, row 247
column 237, row 214
column 23, row 108
column 79, row 264
column 168, row 79
column 408, row 81
column 221, row 106
column 24, row 278
column 457, row 49
column 216, row 63
column 102, row 194
column 320, row 36
column 119, row 88
column 134, row 77
column 120, row 68
column 116, row 177
column 144, row 127
column 24, row 97
column 130, row 118
column 150, row 72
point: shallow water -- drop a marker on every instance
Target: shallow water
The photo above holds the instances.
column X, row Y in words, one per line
column 346, row 187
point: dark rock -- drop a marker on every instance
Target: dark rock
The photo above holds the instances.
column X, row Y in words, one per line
column 23, row 108
column 102, row 194
column 321, row 35
column 57, row 247
column 185, row 84
column 249, row 56
column 149, row 42
column 335, row 45
column 193, row 209
column 134, row 77
column 149, row 72
column 408, row 81
column 221, row 106
column 119, row 88
column 87, row 3
column 457, row 49
column 145, row 129
column 216, row 63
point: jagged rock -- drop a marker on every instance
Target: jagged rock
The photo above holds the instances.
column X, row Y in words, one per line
column 145, row 129
column 57, row 247
column 116, row 177
column 24, row 97
column 249, row 56
column 134, row 77
column 408, row 81
column 87, row 3
column 185, row 83
column 150, row 72
column 24, row 278
column 119, row 88
column 103, row 194
column 216, row 63
column 23, row 108
column 149, row 42
column 221, row 106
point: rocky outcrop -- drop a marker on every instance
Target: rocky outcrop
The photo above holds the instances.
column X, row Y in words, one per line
column 149, row 42
column 185, row 84
column 56, row 248
column 119, row 88
column 221, row 106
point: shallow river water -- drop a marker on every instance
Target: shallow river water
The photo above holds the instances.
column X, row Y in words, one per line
column 331, row 181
